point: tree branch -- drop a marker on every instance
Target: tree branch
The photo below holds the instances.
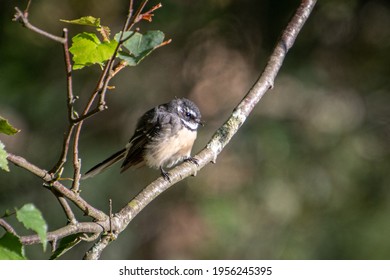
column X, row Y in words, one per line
column 69, row 80
column 221, row 137
column 7, row 227
column 85, row 227
column 65, row 206
column 23, row 18
column 51, row 183
column 95, row 252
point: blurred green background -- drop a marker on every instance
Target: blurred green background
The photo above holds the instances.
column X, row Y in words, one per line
column 306, row 177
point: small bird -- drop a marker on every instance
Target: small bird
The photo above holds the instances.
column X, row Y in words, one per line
column 163, row 137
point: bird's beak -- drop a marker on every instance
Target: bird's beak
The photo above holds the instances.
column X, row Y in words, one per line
column 199, row 121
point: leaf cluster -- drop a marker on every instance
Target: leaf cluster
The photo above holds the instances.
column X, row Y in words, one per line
column 87, row 49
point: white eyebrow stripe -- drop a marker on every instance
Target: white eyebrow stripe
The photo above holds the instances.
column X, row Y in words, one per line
column 190, row 125
column 192, row 112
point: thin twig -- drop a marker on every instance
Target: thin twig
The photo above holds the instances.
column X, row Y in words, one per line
column 70, row 102
column 69, row 80
column 90, row 238
column 136, row 18
column 65, row 206
column 23, row 18
column 110, row 214
column 65, row 148
column 110, row 64
column 89, row 114
column 27, row 7
column 76, row 169
column 8, row 227
column 121, row 64
column 84, row 227
column 51, row 182
column 149, row 14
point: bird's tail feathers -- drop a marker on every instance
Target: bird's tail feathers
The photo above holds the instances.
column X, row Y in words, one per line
column 105, row 164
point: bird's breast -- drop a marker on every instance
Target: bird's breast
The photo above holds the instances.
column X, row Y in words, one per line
column 169, row 151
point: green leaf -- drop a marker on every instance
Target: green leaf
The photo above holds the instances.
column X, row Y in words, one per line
column 6, row 128
column 139, row 46
column 88, row 20
column 32, row 218
column 3, row 158
column 65, row 245
column 87, row 50
column 11, row 248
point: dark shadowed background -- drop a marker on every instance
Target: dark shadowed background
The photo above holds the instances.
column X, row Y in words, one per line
column 306, row 177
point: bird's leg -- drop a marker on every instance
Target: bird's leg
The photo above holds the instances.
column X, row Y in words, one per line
column 193, row 160
column 165, row 174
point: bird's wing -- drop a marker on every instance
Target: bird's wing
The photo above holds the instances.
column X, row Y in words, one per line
column 148, row 127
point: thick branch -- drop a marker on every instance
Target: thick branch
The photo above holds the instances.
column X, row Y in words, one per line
column 222, row 136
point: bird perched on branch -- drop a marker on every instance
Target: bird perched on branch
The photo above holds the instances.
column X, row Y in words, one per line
column 163, row 137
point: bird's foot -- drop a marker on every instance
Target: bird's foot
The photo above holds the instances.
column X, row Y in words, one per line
column 165, row 175
column 193, row 160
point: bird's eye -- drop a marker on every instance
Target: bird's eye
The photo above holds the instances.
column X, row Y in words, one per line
column 188, row 114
